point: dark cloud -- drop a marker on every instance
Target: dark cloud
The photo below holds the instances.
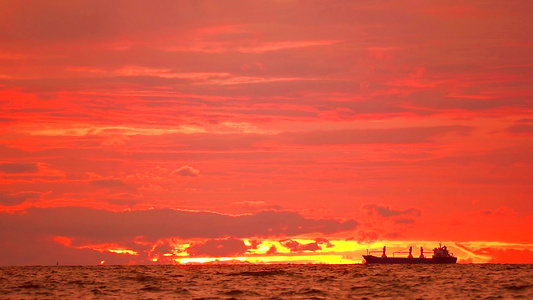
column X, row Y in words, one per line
column 160, row 250
column 510, row 156
column 439, row 102
column 520, row 128
column 62, row 20
column 34, row 249
column 16, row 168
column 218, row 247
column 295, row 246
column 326, row 242
column 404, row 221
column 371, row 136
column 108, row 183
column 254, row 244
column 501, row 211
column 386, row 211
column 161, row 223
column 127, row 199
column 92, row 226
column 186, row 171
column 272, row 250
column 8, row 199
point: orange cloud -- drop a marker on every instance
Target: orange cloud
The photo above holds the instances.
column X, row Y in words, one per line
column 418, row 113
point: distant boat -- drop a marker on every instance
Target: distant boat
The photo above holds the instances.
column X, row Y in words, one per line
column 441, row 255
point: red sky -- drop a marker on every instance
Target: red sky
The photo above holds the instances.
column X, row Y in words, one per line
column 266, row 131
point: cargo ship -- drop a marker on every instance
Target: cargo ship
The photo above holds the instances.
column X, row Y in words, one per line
column 441, row 255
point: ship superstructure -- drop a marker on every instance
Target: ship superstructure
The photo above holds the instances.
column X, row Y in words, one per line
column 441, row 255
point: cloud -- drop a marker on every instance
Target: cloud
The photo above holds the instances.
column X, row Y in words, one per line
column 160, row 250
column 276, row 104
column 326, row 242
column 186, row 171
column 33, row 249
column 404, row 221
column 500, row 211
column 371, row 136
column 17, row 168
column 218, row 247
column 272, row 250
column 92, row 226
column 295, row 246
column 387, row 211
column 11, row 199
column 520, row 128
column 108, row 183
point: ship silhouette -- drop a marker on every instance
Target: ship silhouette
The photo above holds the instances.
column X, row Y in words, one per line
column 441, row 255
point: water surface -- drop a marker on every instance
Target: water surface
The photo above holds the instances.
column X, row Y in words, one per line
column 485, row 281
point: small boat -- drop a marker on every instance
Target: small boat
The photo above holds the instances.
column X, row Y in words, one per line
column 441, row 255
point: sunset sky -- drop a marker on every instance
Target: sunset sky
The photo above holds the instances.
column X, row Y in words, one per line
column 141, row 132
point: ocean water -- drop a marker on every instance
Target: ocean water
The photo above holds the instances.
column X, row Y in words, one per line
column 470, row 281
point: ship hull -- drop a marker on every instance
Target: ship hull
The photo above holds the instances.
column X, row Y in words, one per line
column 370, row 259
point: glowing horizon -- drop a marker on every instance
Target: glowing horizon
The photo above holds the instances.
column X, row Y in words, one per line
column 336, row 252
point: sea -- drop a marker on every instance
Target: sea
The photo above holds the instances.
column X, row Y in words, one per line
column 358, row 281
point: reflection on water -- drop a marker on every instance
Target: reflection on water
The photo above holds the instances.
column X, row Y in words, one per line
column 270, row 281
